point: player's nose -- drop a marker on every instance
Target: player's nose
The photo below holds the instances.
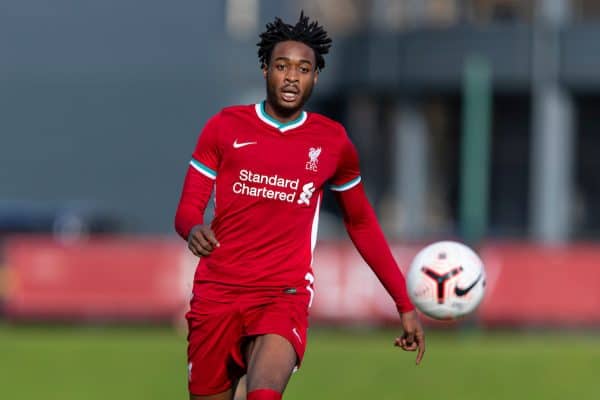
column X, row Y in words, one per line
column 291, row 75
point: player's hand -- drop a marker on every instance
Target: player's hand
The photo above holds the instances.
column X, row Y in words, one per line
column 202, row 240
column 413, row 337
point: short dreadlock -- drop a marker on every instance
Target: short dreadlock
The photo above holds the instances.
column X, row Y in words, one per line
column 310, row 33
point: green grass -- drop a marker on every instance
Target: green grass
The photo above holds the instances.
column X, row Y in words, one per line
column 456, row 366
column 149, row 363
column 87, row 364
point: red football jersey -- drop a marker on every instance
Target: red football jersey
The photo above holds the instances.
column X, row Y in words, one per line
column 269, row 179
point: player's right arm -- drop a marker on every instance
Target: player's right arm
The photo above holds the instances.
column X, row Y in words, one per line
column 197, row 188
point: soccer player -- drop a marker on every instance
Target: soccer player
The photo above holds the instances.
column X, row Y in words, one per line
column 269, row 164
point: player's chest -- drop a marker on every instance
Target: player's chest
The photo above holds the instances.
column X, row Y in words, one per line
column 288, row 156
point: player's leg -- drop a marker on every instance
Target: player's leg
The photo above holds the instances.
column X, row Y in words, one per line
column 277, row 329
column 271, row 360
column 227, row 395
column 240, row 389
column 237, row 392
column 214, row 333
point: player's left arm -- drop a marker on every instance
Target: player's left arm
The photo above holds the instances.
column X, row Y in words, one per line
column 368, row 238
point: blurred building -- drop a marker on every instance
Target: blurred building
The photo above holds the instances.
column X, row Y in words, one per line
column 102, row 103
column 404, row 73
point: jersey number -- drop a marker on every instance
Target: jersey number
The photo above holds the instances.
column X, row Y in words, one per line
column 311, row 279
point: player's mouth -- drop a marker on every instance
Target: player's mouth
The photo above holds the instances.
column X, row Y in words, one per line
column 290, row 94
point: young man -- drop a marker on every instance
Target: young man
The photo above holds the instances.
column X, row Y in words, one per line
column 269, row 164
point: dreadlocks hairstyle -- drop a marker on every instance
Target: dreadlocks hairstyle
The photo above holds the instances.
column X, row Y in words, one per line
column 310, row 33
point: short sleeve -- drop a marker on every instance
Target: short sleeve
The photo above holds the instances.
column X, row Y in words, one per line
column 207, row 154
column 347, row 174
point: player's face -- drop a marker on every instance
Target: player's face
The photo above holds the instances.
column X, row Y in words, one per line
column 290, row 75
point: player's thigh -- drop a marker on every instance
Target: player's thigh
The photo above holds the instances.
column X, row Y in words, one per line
column 271, row 360
column 213, row 346
column 286, row 317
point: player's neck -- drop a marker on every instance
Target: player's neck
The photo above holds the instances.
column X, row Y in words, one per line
column 281, row 115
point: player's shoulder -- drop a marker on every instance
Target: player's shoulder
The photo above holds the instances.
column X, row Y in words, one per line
column 329, row 125
column 229, row 116
column 240, row 110
column 234, row 111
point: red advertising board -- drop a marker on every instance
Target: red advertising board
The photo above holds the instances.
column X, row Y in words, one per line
column 537, row 285
column 346, row 288
column 102, row 278
column 151, row 278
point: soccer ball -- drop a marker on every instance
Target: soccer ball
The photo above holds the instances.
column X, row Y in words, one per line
column 446, row 280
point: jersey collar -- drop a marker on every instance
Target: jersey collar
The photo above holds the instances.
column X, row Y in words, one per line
column 282, row 126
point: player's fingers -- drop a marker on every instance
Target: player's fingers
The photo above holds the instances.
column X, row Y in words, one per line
column 401, row 342
column 202, row 244
column 420, row 355
column 421, row 352
column 199, row 250
column 410, row 347
column 211, row 238
column 193, row 250
column 203, row 252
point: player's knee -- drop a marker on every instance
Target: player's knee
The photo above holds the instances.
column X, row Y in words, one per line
column 264, row 394
column 274, row 380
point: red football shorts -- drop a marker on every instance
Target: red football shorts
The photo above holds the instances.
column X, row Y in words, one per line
column 218, row 331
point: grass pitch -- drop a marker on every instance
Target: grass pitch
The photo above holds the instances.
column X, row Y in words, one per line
column 149, row 363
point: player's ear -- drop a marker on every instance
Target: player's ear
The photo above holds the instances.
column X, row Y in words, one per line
column 264, row 69
column 316, row 77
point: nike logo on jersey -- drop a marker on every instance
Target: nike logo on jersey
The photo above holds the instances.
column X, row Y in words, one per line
column 237, row 145
column 462, row 292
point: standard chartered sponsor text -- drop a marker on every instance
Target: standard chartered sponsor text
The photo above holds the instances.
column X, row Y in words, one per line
column 247, row 178
column 273, row 180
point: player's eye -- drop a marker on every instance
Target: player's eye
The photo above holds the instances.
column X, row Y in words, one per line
column 280, row 67
column 304, row 70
